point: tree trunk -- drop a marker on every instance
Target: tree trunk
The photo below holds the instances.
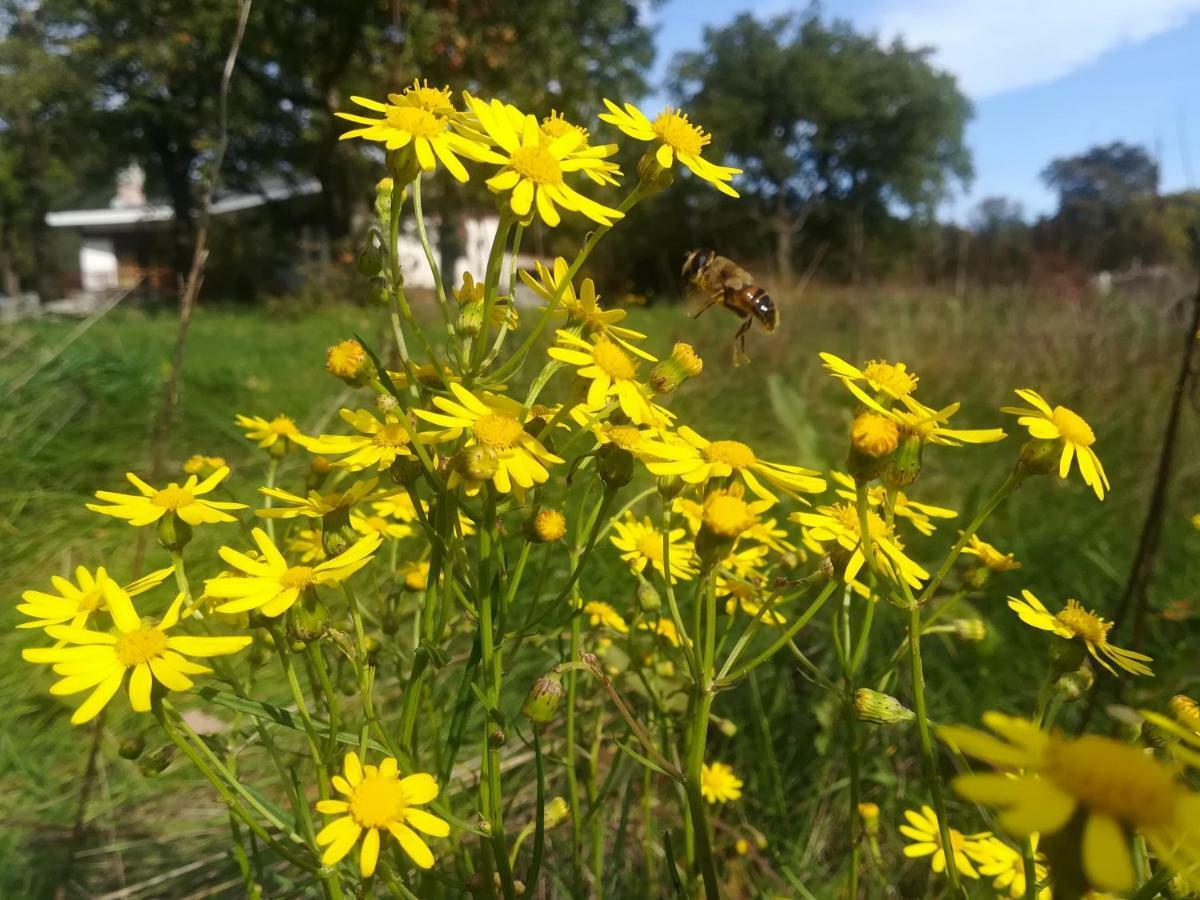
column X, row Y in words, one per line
column 785, row 234
column 12, row 284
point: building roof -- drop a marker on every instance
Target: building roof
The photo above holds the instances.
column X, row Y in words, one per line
column 272, row 190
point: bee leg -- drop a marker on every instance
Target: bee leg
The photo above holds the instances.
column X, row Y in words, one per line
column 739, row 342
column 711, row 302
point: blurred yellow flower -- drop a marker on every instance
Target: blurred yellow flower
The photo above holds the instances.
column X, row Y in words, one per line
column 1006, row 867
column 696, row 460
column 381, row 525
column 316, row 504
column 1073, row 621
column 676, row 138
column 1049, row 779
column 74, row 603
column 496, row 423
column 989, row 555
column 838, row 524
column 271, row 586
column 267, row 432
column 152, row 504
column 202, row 465
column 600, row 613
column 1063, row 425
column 307, row 544
column 99, row 660
column 378, row 443
column 378, row 799
column 641, row 546
column 718, row 784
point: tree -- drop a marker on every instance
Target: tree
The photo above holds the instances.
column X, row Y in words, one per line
column 1001, row 242
column 1105, row 199
column 826, row 122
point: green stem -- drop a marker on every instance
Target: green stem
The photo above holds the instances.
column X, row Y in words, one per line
column 781, row 641
column 439, row 286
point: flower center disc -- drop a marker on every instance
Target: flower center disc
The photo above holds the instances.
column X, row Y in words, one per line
column 282, row 425
column 417, row 122
column 172, row 497
column 1113, row 779
column 140, row 646
column 674, row 130
column 624, row 436
column 1072, row 427
column 650, row 546
column 297, row 577
column 614, row 361
column 891, row 378
column 1087, row 625
column 377, row 801
column 537, row 164
column 91, row 601
column 391, row 436
column 732, row 453
column 497, row 431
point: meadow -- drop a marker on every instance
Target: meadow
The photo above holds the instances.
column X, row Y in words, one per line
column 84, row 418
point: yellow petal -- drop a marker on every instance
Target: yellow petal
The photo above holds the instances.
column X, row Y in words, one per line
column 1106, row 857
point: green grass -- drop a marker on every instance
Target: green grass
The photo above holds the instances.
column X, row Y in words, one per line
column 85, row 416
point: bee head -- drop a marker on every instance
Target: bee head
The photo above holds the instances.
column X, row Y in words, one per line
column 696, row 262
column 764, row 310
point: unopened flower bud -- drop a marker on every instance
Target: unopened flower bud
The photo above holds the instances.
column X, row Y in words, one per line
column 308, row 620
column 670, row 486
column 348, row 361
column 881, row 709
column 132, row 747
column 648, row 597
column 651, row 175
column 727, row 727
column 156, row 763
column 973, row 630
column 497, row 739
column 476, row 462
column 869, row 813
column 173, row 532
column 670, row 373
column 370, row 260
column 1075, row 685
column 388, row 405
column 873, row 439
column 337, row 534
column 548, row 526
column 470, row 320
column 405, row 470
column 614, row 465
column 557, row 812
column 318, row 470
column 404, row 165
column 544, row 698
column 383, row 200
column 741, row 846
column 1039, row 457
column 904, row 465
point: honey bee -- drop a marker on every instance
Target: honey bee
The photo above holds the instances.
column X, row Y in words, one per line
column 729, row 284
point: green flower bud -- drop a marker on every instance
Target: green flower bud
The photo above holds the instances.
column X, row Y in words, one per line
column 497, row 739
column 132, row 747
column 470, row 320
column 557, row 812
column 370, row 260
column 880, row 709
column 652, row 177
column 1075, row 685
column 544, row 698
column 1039, row 457
column 476, row 462
column 615, row 466
column 156, row 763
column 1066, row 655
column 648, row 597
column 670, row 486
column 174, row 533
column 337, row 534
column 406, row 470
column 973, row 630
column 904, row 466
column 308, row 620
column 670, row 373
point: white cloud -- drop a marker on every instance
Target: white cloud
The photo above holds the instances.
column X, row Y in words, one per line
column 997, row 46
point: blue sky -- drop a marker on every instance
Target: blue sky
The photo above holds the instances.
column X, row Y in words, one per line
column 1047, row 77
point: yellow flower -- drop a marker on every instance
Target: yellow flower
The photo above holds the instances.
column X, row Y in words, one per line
column 1067, row 427
column 99, row 660
column 267, row 432
column 348, row 360
column 599, row 613
column 612, row 373
column 1073, row 621
column 549, row 525
column 315, row 504
column 1006, row 867
column 726, row 513
column 740, row 581
column 641, row 546
column 378, row 443
column 202, row 465
column 664, row 628
column 838, row 524
column 415, row 574
column 921, row 515
column 556, row 125
column 696, row 460
column 74, row 603
column 1049, row 779
column 498, row 424
column 644, row 443
column 380, row 525
column 874, row 435
column 718, row 784
column 925, row 833
column 989, row 555
column 307, row 544
column 377, row 800
column 582, row 309
column 929, row 425
column 184, row 501
column 1183, row 728
column 411, row 125
column 675, row 138
column 271, row 586
column 893, row 380
column 532, row 167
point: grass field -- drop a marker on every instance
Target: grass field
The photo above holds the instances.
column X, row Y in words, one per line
column 84, row 416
